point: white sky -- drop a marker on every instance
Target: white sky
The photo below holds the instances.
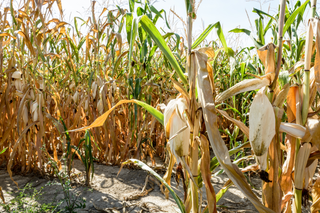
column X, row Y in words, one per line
column 230, row 13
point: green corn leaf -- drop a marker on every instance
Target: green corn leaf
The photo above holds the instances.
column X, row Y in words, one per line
column 100, row 120
column 150, row 28
column 3, row 150
column 293, row 16
column 215, row 163
column 133, row 35
column 153, row 111
column 223, row 190
column 131, row 5
column 203, row 35
column 228, row 50
column 12, row 13
column 261, row 13
column 238, row 30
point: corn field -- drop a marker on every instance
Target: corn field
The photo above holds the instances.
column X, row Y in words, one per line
column 123, row 92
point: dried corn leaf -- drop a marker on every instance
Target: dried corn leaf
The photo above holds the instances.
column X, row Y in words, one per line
column 266, row 55
column 14, row 150
column 168, row 174
column 1, row 195
column 217, row 144
column 243, row 86
column 315, row 193
column 287, row 168
column 292, row 103
column 313, row 127
column 241, row 125
column 281, row 97
column 206, row 174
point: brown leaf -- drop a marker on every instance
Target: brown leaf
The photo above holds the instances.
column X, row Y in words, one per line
column 291, row 103
column 241, row 125
column 1, row 195
column 315, row 193
column 266, row 55
column 206, row 174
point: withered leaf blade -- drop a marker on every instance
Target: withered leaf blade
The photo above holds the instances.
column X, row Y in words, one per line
column 217, row 144
column 315, row 193
column 243, row 86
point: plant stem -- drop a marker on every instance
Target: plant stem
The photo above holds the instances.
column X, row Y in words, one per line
column 314, row 8
column 297, row 199
column 306, row 82
column 280, row 38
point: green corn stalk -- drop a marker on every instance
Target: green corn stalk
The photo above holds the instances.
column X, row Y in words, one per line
column 86, row 156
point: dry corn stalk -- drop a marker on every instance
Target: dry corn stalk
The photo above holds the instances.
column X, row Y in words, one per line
column 217, row 144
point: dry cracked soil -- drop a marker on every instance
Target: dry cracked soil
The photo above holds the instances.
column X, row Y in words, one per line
column 110, row 192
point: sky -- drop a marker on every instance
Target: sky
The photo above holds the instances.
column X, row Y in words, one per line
column 230, row 13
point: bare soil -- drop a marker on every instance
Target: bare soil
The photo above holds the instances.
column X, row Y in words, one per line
column 112, row 193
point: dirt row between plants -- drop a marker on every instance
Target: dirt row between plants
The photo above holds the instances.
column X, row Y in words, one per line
column 112, row 193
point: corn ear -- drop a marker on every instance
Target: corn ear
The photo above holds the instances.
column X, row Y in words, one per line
column 261, row 126
column 176, row 126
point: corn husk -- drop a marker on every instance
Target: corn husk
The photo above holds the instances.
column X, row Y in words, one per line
column 34, row 111
column 177, row 127
column 41, row 84
column 17, row 75
column 100, row 106
column 25, row 116
column 313, row 128
column 281, row 97
column 75, row 97
column 309, row 173
column 94, row 87
column 32, row 94
column 300, row 165
column 292, row 129
column 86, row 105
column 19, row 84
column 261, row 126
